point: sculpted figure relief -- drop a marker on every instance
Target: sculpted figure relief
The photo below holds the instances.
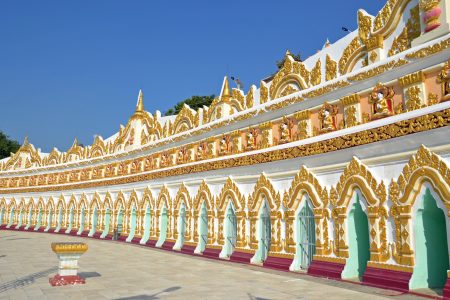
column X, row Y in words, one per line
column 327, row 117
column 381, row 99
column 444, row 79
column 285, row 130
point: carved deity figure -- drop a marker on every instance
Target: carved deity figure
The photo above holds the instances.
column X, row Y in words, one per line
column 382, row 102
column 249, row 139
column 200, row 152
column 223, row 145
column 327, row 117
column 285, row 130
column 444, row 79
column 180, row 156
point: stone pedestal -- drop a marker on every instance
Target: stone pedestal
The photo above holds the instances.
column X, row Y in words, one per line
column 68, row 255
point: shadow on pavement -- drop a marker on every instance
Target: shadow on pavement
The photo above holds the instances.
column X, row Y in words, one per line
column 89, row 274
column 151, row 297
column 26, row 280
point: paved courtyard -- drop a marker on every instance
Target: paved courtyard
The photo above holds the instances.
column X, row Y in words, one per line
column 122, row 271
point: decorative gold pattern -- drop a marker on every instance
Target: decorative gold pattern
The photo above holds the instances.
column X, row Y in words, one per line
column 331, row 69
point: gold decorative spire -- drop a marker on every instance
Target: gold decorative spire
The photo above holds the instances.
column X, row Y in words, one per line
column 225, row 95
column 140, row 102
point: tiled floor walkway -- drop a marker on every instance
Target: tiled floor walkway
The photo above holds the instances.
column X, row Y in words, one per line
column 121, row 271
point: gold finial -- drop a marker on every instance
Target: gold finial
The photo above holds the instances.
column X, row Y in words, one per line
column 225, row 95
column 140, row 102
column 25, row 142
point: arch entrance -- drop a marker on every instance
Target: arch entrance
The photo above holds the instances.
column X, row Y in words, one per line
column 431, row 248
column 230, row 228
column 202, row 229
column 359, row 243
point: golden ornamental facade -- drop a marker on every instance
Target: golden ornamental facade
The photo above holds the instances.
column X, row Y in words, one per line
column 336, row 165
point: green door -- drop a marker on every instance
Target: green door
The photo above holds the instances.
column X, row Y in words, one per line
column 202, row 230
column 431, row 248
column 305, row 237
column 359, row 243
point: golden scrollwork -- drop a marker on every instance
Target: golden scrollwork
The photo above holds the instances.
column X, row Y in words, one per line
column 429, row 50
column 350, row 55
column 264, row 187
column 230, row 192
column 411, row 31
column 413, row 101
column 330, row 68
column 316, row 73
column 264, row 93
column 444, row 79
column 403, row 128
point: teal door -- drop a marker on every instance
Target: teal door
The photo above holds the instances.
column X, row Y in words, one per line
column 202, row 230
column 431, row 248
column 107, row 223
column 147, row 226
column 359, row 243
column 162, row 227
column 70, row 222
column 306, row 236
column 230, row 236
column 59, row 221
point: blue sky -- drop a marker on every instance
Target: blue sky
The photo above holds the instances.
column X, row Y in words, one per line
column 74, row 68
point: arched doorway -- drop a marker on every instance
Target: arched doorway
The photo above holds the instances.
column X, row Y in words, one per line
column 20, row 218
column 49, row 218
column 358, row 242
column 162, row 226
column 2, row 213
column 70, row 220
column 94, row 220
column 38, row 219
column 132, row 225
column 81, row 221
column 118, row 229
column 59, row 220
column 107, row 222
column 230, row 232
column 11, row 217
column 265, row 234
column 181, row 227
column 29, row 219
column 305, row 237
column 147, row 225
column 431, row 248
column 202, row 229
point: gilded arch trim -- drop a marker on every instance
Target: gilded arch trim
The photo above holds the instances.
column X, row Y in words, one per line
column 182, row 194
column 164, row 197
column 120, row 202
column 95, row 202
column 147, row 199
column 107, row 202
column 203, row 195
column 264, row 186
column 305, row 182
column 133, row 200
column 231, row 190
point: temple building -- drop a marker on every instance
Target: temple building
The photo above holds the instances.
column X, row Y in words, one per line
column 337, row 166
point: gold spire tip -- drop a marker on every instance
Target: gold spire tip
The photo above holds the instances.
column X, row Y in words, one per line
column 225, row 94
column 140, row 102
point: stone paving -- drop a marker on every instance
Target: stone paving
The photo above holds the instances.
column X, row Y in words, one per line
column 116, row 270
